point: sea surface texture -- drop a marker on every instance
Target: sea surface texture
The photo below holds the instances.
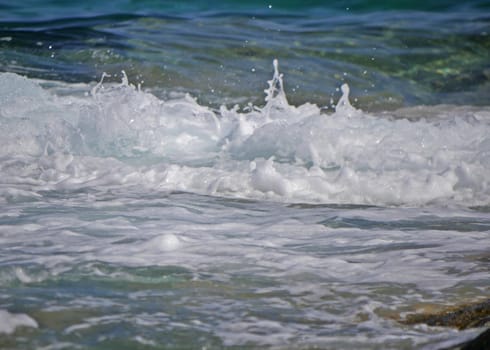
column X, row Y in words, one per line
column 241, row 174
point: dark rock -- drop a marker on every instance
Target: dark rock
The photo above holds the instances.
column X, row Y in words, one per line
column 482, row 342
column 462, row 317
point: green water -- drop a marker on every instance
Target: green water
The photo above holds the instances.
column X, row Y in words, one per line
column 392, row 55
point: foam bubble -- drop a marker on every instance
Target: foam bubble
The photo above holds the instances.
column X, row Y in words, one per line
column 166, row 242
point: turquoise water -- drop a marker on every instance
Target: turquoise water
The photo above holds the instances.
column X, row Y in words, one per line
column 241, row 175
column 413, row 53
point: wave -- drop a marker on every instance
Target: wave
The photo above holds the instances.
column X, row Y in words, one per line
column 103, row 136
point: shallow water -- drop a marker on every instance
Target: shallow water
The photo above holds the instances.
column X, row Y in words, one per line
column 178, row 270
column 140, row 208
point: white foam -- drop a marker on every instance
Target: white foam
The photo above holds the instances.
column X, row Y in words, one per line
column 9, row 322
column 166, row 242
column 265, row 178
column 121, row 136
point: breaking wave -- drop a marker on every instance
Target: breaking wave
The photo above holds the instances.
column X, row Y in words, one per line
column 101, row 136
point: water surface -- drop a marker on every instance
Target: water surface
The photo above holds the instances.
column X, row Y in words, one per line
column 152, row 196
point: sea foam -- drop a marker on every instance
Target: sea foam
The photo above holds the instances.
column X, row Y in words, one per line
column 10, row 322
column 117, row 135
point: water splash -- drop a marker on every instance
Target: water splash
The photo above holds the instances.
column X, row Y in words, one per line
column 343, row 105
column 119, row 136
column 275, row 97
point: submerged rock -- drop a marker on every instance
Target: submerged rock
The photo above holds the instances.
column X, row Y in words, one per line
column 461, row 317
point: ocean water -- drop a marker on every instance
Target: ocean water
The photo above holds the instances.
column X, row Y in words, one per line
column 241, row 174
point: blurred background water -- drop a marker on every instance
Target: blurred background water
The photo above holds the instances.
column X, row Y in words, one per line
column 391, row 53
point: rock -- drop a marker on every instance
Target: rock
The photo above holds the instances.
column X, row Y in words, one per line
column 482, row 342
column 461, row 317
